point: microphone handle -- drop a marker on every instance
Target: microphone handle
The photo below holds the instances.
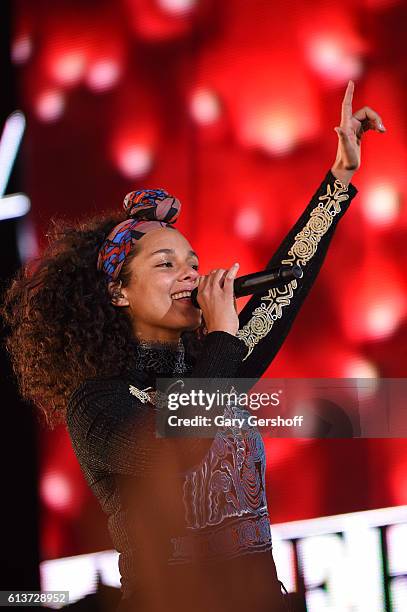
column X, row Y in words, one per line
column 259, row 281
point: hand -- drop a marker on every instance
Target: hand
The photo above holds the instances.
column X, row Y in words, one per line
column 217, row 302
column 350, row 133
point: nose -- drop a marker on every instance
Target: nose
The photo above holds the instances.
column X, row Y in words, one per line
column 188, row 273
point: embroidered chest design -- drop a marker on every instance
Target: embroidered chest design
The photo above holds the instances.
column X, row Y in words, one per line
column 230, row 481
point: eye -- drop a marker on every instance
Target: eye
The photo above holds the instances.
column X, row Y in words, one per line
column 169, row 263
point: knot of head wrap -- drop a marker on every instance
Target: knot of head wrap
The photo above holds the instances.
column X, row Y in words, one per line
column 147, row 209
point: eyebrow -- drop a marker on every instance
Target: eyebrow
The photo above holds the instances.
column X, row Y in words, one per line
column 172, row 252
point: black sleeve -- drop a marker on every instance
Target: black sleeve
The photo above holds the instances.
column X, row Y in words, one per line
column 266, row 319
column 112, row 429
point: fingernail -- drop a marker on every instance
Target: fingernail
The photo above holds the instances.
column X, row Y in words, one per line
column 381, row 127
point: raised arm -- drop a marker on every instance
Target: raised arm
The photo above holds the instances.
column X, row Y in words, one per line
column 266, row 319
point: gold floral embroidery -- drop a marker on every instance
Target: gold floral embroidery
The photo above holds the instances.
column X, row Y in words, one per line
column 304, row 248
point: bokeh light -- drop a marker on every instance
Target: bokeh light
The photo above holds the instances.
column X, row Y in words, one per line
column 248, row 223
column 330, row 58
column 205, row 106
column 50, row 105
column 68, row 68
column 56, row 491
column 374, row 301
column 381, row 203
column 135, row 161
column 103, row 75
column 177, row 7
column 357, row 367
column 21, row 49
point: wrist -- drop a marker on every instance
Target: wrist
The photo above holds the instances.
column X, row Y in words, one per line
column 339, row 172
column 222, row 329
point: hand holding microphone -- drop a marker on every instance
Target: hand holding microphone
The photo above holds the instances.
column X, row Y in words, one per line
column 214, row 295
column 254, row 283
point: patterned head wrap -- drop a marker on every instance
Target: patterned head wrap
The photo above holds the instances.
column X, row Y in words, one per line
column 147, row 210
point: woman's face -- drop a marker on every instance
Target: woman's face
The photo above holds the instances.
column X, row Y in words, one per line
column 164, row 265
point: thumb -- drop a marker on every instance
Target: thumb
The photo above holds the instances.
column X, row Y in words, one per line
column 231, row 273
column 230, row 277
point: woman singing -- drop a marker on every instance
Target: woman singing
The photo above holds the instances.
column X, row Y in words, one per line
column 104, row 313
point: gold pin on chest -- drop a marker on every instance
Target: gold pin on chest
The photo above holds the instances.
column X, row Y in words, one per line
column 141, row 394
column 152, row 397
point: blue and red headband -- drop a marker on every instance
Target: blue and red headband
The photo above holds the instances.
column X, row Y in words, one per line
column 147, row 210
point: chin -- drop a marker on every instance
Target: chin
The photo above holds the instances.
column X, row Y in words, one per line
column 192, row 326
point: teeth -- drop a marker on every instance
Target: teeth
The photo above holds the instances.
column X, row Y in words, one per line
column 182, row 294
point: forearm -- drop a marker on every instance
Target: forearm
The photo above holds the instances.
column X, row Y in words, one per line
column 266, row 319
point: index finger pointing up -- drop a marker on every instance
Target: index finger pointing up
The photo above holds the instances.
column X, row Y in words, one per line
column 346, row 114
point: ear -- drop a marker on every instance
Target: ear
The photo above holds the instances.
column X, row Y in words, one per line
column 118, row 294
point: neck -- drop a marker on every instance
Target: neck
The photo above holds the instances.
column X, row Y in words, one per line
column 158, row 340
column 161, row 357
column 154, row 343
column 158, row 337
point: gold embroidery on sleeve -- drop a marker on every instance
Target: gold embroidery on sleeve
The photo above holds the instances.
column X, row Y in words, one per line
column 304, row 248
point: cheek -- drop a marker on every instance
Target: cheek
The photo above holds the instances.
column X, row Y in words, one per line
column 151, row 296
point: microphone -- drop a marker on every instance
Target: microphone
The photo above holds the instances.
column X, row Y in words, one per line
column 259, row 281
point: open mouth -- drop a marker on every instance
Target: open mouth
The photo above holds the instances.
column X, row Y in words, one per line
column 182, row 296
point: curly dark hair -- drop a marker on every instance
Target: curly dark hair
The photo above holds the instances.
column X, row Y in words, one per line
column 61, row 326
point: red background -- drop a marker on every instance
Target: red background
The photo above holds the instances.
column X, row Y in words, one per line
column 231, row 106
